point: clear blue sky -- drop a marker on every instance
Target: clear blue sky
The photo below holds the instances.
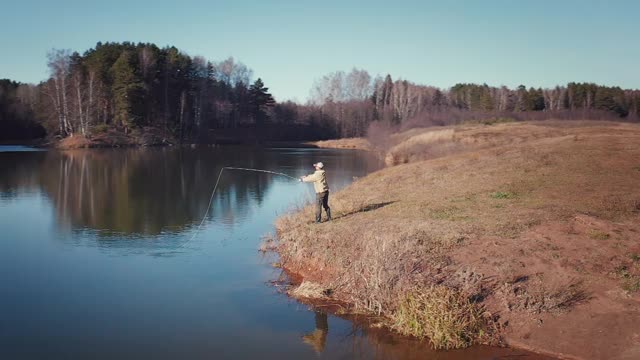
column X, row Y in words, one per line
column 291, row 43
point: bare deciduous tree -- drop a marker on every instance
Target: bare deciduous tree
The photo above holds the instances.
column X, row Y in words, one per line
column 231, row 72
column 59, row 62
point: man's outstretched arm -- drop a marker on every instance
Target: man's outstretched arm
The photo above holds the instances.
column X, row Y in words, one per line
column 310, row 178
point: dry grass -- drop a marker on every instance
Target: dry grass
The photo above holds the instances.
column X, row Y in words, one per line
column 533, row 295
column 599, row 235
column 428, row 144
column 444, row 316
column 630, row 275
column 400, row 228
column 310, row 290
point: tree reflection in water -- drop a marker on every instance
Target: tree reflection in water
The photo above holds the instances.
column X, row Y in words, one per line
column 142, row 193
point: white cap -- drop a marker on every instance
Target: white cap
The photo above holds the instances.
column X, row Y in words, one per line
column 319, row 165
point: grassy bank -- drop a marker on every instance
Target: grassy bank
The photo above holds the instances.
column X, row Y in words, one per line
column 522, row 233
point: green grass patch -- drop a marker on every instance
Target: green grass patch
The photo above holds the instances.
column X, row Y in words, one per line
column 503, row 195
column 445, row 316
column 630, row 281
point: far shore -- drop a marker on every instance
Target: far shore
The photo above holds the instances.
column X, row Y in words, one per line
column 119, row 140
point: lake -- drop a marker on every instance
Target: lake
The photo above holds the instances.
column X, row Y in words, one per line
column 101, row 257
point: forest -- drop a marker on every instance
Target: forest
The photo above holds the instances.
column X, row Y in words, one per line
column 127, row 86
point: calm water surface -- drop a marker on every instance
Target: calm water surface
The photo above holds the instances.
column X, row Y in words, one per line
column 95, row 260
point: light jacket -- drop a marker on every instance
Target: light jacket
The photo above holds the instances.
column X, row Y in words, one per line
column 319, row 180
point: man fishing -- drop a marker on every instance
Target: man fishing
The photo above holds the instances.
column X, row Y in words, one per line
column 319, row 180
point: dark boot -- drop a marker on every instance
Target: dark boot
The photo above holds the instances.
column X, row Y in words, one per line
column 328, row 214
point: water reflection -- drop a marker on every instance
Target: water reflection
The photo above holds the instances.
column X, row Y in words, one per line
column 318, row 338
column 18, row 173
column 358, row 341
column 67, row 294
column 149, row 192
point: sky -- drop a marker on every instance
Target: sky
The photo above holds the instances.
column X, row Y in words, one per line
column 292, row 43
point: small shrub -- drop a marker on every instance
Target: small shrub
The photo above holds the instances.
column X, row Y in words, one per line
column 635, row 257
column 445, row 316
column 503, row 195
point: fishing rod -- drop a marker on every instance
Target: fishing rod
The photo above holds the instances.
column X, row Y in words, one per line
column 215, row 187
column 258, row 170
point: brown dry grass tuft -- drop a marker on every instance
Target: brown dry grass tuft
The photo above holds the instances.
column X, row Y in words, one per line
column 310, row 290
column 630, row 275
column 444, row 316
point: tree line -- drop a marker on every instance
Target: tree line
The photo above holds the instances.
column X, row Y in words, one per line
column 17, row 112
column 127, row 86
column 352, row 101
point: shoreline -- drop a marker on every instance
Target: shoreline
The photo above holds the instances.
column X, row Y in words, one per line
column 373, row 327
column 503, row 222
column 115, row 143
column 146, row 138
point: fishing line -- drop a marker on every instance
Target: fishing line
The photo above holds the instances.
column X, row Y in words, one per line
column 258, row 170
column 215, row 187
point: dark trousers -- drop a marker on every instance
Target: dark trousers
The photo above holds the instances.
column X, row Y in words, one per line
column 322, row 201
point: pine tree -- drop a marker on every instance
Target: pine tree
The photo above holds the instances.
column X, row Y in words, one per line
column 260, row 100
column 534, row 100
column 128, row 92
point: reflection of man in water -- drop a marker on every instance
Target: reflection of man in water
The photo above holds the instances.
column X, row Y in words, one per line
column 318, row 338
